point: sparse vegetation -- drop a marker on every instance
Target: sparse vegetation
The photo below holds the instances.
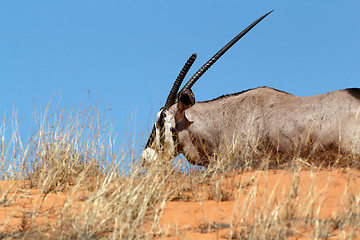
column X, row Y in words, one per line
column 69, row 181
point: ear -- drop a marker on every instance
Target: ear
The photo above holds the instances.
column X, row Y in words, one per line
column 186, row 99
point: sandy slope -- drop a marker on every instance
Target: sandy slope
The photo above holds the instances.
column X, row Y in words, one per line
column 210, row 219
column 219, row 211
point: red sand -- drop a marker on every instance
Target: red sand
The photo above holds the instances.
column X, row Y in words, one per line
column 192, row 219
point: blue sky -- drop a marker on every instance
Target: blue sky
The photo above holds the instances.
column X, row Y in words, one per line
column 128, row 53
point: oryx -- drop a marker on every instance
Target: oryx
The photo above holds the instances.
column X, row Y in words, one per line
column 199, row 130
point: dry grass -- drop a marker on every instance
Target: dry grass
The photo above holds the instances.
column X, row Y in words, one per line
column 109, row 196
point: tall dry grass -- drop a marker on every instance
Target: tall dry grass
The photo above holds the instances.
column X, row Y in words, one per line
column 73, row 150
column 108, row 195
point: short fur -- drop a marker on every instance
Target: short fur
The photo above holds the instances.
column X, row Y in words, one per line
column 260, row 114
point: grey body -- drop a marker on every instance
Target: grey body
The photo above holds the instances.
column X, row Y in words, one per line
column 248, row 119
column 264, row 114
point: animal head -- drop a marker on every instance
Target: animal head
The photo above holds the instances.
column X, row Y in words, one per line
column 163, row 141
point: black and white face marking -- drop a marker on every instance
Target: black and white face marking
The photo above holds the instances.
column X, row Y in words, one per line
column 160, row 129
column 162, row 138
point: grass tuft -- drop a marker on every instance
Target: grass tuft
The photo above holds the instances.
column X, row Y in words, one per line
column 70, row 181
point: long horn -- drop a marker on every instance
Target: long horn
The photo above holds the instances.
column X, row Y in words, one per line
column 175, row 88
column 212, row 60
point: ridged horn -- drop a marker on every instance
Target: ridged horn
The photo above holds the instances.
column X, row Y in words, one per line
column 212, row 60
column 175, row 88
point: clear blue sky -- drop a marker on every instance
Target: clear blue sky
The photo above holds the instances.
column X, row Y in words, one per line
column 128, row 53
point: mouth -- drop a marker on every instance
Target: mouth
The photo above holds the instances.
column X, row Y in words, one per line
column 148, row 156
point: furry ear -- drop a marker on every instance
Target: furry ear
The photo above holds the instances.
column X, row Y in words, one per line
column 186, row 99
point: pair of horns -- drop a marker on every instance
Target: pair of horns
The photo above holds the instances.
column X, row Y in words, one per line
column 174, row 90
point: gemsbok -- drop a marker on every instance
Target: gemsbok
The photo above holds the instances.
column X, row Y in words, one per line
column 200, row 130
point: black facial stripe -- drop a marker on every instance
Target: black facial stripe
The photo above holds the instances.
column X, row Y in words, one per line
column 151, row 137
column 162, row 128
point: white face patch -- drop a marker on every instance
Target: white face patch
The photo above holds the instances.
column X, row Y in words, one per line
column 157, row 129
column 149, row 155
column 163, row 140
column 169, row 141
